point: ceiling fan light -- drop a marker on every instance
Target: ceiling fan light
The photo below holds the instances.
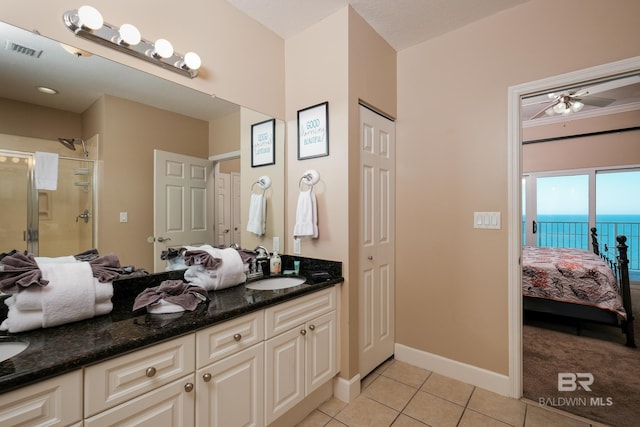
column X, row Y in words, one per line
column 559, row 108
column 576, row 106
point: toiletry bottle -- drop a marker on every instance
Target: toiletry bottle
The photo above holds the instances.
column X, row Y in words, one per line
column 275, row 263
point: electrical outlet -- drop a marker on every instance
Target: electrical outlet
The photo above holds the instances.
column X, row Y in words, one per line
column 296, row 246
column 276, row 244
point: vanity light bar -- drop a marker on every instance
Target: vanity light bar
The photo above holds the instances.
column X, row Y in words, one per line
column 127, row 39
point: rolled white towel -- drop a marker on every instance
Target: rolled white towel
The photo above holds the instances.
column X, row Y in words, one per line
column 229, row 273
column 163, row 307
column 58, row 260
column 20, row 321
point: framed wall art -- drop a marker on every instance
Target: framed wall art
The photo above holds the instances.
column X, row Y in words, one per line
column 313, row 131
column 263, row 143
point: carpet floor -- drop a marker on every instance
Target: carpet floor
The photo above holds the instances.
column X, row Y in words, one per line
column 551, row 347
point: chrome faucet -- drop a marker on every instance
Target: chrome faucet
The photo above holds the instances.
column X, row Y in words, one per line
column 261, row 251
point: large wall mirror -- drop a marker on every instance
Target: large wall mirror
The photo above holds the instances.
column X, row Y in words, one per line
column 115, row 117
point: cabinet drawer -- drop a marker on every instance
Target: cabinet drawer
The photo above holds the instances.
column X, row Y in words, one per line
column 216, row 342
column 54, row 402
column 118, row 380
column 170, row 405
column 287, row 315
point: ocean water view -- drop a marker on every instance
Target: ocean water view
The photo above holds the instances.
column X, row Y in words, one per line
column 573, row 231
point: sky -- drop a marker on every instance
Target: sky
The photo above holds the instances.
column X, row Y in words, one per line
column 616, row 194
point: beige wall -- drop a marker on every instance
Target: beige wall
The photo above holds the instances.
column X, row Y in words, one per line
column 339, row 60
column 34, row 121
column 611, row 149
column 128, row 134
column 451, row 281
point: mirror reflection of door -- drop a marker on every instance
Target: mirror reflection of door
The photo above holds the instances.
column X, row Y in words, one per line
column 227, row 203
column 46, row 222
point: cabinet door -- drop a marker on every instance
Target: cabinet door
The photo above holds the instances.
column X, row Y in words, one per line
column 284, row 365
column 230, row 393
column 168, row 406
column 321, row 351
column 54, row 402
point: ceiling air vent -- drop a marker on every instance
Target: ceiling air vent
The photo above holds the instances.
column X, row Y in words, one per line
column 15, row 47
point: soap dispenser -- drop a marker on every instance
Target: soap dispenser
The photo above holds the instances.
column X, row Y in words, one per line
column 276, row 264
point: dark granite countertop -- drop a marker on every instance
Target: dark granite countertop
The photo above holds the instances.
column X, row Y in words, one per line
column 58, row 350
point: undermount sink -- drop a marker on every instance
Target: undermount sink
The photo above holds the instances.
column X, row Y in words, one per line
column 11, row 347
column 273, row 283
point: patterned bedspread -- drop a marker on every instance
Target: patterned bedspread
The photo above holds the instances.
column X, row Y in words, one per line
column 570, row 275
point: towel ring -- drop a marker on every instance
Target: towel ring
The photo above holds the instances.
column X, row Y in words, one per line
column 263, row 182
column 310, row 178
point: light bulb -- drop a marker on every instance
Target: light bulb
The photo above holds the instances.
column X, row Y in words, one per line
column 192, row 60
column 576, row 106
column 162, row 48
column 559, row 107
column 549, row 111
column 129, row 34
column 89, row 17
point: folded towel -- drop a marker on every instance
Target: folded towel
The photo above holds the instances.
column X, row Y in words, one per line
column 46, row 175
column 230, row 271
column 106, row 268
column 201, row 257
column 25, row 320
column 70, row 295
column 170, row 292
column 18, row 271
column 31, row 298
column 306, row 215
column 257, row 214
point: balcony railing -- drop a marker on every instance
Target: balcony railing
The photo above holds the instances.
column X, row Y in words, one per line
column 577, row 235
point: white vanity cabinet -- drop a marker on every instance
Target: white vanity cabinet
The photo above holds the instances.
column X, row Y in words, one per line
column 53, row 402
column 300, row 350
column 155, row 383
column 230, row 375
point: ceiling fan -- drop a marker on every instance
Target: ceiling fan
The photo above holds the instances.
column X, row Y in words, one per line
column 572, row 101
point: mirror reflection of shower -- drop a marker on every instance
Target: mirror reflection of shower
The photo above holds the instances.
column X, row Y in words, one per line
column 71, row 143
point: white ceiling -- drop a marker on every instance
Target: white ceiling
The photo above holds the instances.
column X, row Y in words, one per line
column 402, row 23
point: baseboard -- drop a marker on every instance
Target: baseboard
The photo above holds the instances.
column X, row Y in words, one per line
column 346, row 390
column 479, row 377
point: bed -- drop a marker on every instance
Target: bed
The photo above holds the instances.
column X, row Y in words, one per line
column 579, row 284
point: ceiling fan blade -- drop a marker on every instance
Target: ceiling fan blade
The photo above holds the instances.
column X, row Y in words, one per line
column 596, row 101
column 545, row 108
column 546, row 101
column 613, row 84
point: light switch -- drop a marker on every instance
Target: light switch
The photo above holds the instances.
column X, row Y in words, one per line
column 488, row 220
column 276, row 244
column 124, row 217
column 296, row 246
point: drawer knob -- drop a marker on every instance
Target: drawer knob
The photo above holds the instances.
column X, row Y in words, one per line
column 312, row 327
column 303, row 332
column 151, row 371
column 188, row 387
column 206, row 377
column 237, row 337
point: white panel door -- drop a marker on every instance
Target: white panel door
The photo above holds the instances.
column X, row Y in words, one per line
column 236, row 226
column 377, row 239
column 180, row 214
column 222, row 208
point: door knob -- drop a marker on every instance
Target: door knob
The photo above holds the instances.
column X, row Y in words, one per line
column 163, row 239
column 370, row 257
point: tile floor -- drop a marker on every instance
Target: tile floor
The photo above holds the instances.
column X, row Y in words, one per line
column 401, row 395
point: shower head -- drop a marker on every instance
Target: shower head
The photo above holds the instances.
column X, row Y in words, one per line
column 70, row 143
